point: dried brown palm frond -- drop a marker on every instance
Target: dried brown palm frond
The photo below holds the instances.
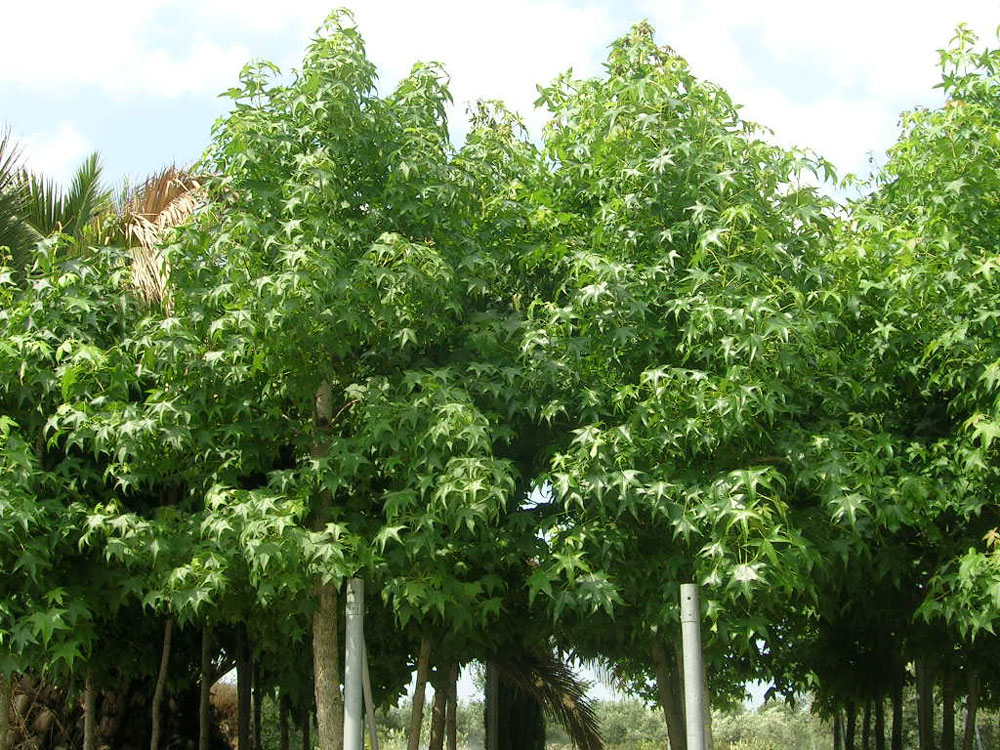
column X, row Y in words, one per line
column 554, row 685
column 164, row 200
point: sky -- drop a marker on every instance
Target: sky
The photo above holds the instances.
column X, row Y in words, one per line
column 139, row 81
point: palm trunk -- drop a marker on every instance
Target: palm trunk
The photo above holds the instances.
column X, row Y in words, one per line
column 438, row 716
column 417, row 711
column 971, row 708
column 244, row 682
column 852, row 715
column 205, row 689
column 897, row 714
column 161, row 684
column 89, row 713
column 451, row 713
column 5, row 702
column 948, row 709
column 283, row 722
column 669, row 687
column 880, row 723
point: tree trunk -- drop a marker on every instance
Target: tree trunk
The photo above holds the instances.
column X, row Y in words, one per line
column 89, row 713
column 244, row 693
column 866, row 727
column 283, row 722
column 326, row 644
column 438, row 716
column 948, row 709
column 669, row 687
column 417, row 710
column 880, row 723
column 852, row 715
column 925, row 706
column 255, row 672
column 161, row 684
column 205, row 690
column 5, row 702
column 306, row 727
column 491, row 717
column 897, row 715
column 451, row 713
column 971, row 708
column 838, row 740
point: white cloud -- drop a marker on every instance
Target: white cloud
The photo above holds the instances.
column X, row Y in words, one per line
column 56, row 153
column 55, row 45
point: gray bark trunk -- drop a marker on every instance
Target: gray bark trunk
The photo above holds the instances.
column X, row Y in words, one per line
column 438, row 716
column 283, row 723
column 948, row 709
column 244, row 693
column 161, row 684
column 5, row 701
column 971, row 708
column 671, row 700
column 205, row 689
column 417, row 711
column 89, row 713
column 451, row 713
column 326, row 669
column 925, row 706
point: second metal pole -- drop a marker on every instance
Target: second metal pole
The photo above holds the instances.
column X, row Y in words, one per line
column 354, row 649
column 694, row 699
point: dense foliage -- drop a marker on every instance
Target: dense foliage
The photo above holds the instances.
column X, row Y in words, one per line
column 523, row 389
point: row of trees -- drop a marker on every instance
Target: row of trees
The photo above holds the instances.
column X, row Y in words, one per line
column 524, row 389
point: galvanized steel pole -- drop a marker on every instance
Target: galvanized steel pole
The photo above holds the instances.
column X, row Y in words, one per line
column 694, row 698
column 354, row 649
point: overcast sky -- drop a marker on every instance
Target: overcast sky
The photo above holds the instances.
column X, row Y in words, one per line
column 139, row 81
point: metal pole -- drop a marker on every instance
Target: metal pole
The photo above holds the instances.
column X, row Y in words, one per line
column 694, row 699
column 354, row 649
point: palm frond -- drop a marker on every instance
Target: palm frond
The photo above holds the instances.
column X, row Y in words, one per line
column 552, row 682
column 14, row 233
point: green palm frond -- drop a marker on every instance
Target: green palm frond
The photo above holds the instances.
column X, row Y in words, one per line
column 50, row 209
column 14, row 233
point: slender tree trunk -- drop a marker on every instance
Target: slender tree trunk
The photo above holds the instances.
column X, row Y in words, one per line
column 417, row 711
column 205, row 689
column 925, row 706
column 283, row 722
column 244, row 692
column 451, row 714
column 161, row 684
column 897, row 715
column 669, row 687
column 326, row 670
column 5, row 702
column 491, row 708
column 852, row 715
column 438, row 715
column 89, row 713
column 326, row 644
column 948, row 709
column 880, row 723
column 838, row 730
column 866, row 727
column 971, row 708
column 255, row 671
column 306, row 727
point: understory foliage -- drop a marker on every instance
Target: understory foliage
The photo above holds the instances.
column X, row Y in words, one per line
column 523, row 388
